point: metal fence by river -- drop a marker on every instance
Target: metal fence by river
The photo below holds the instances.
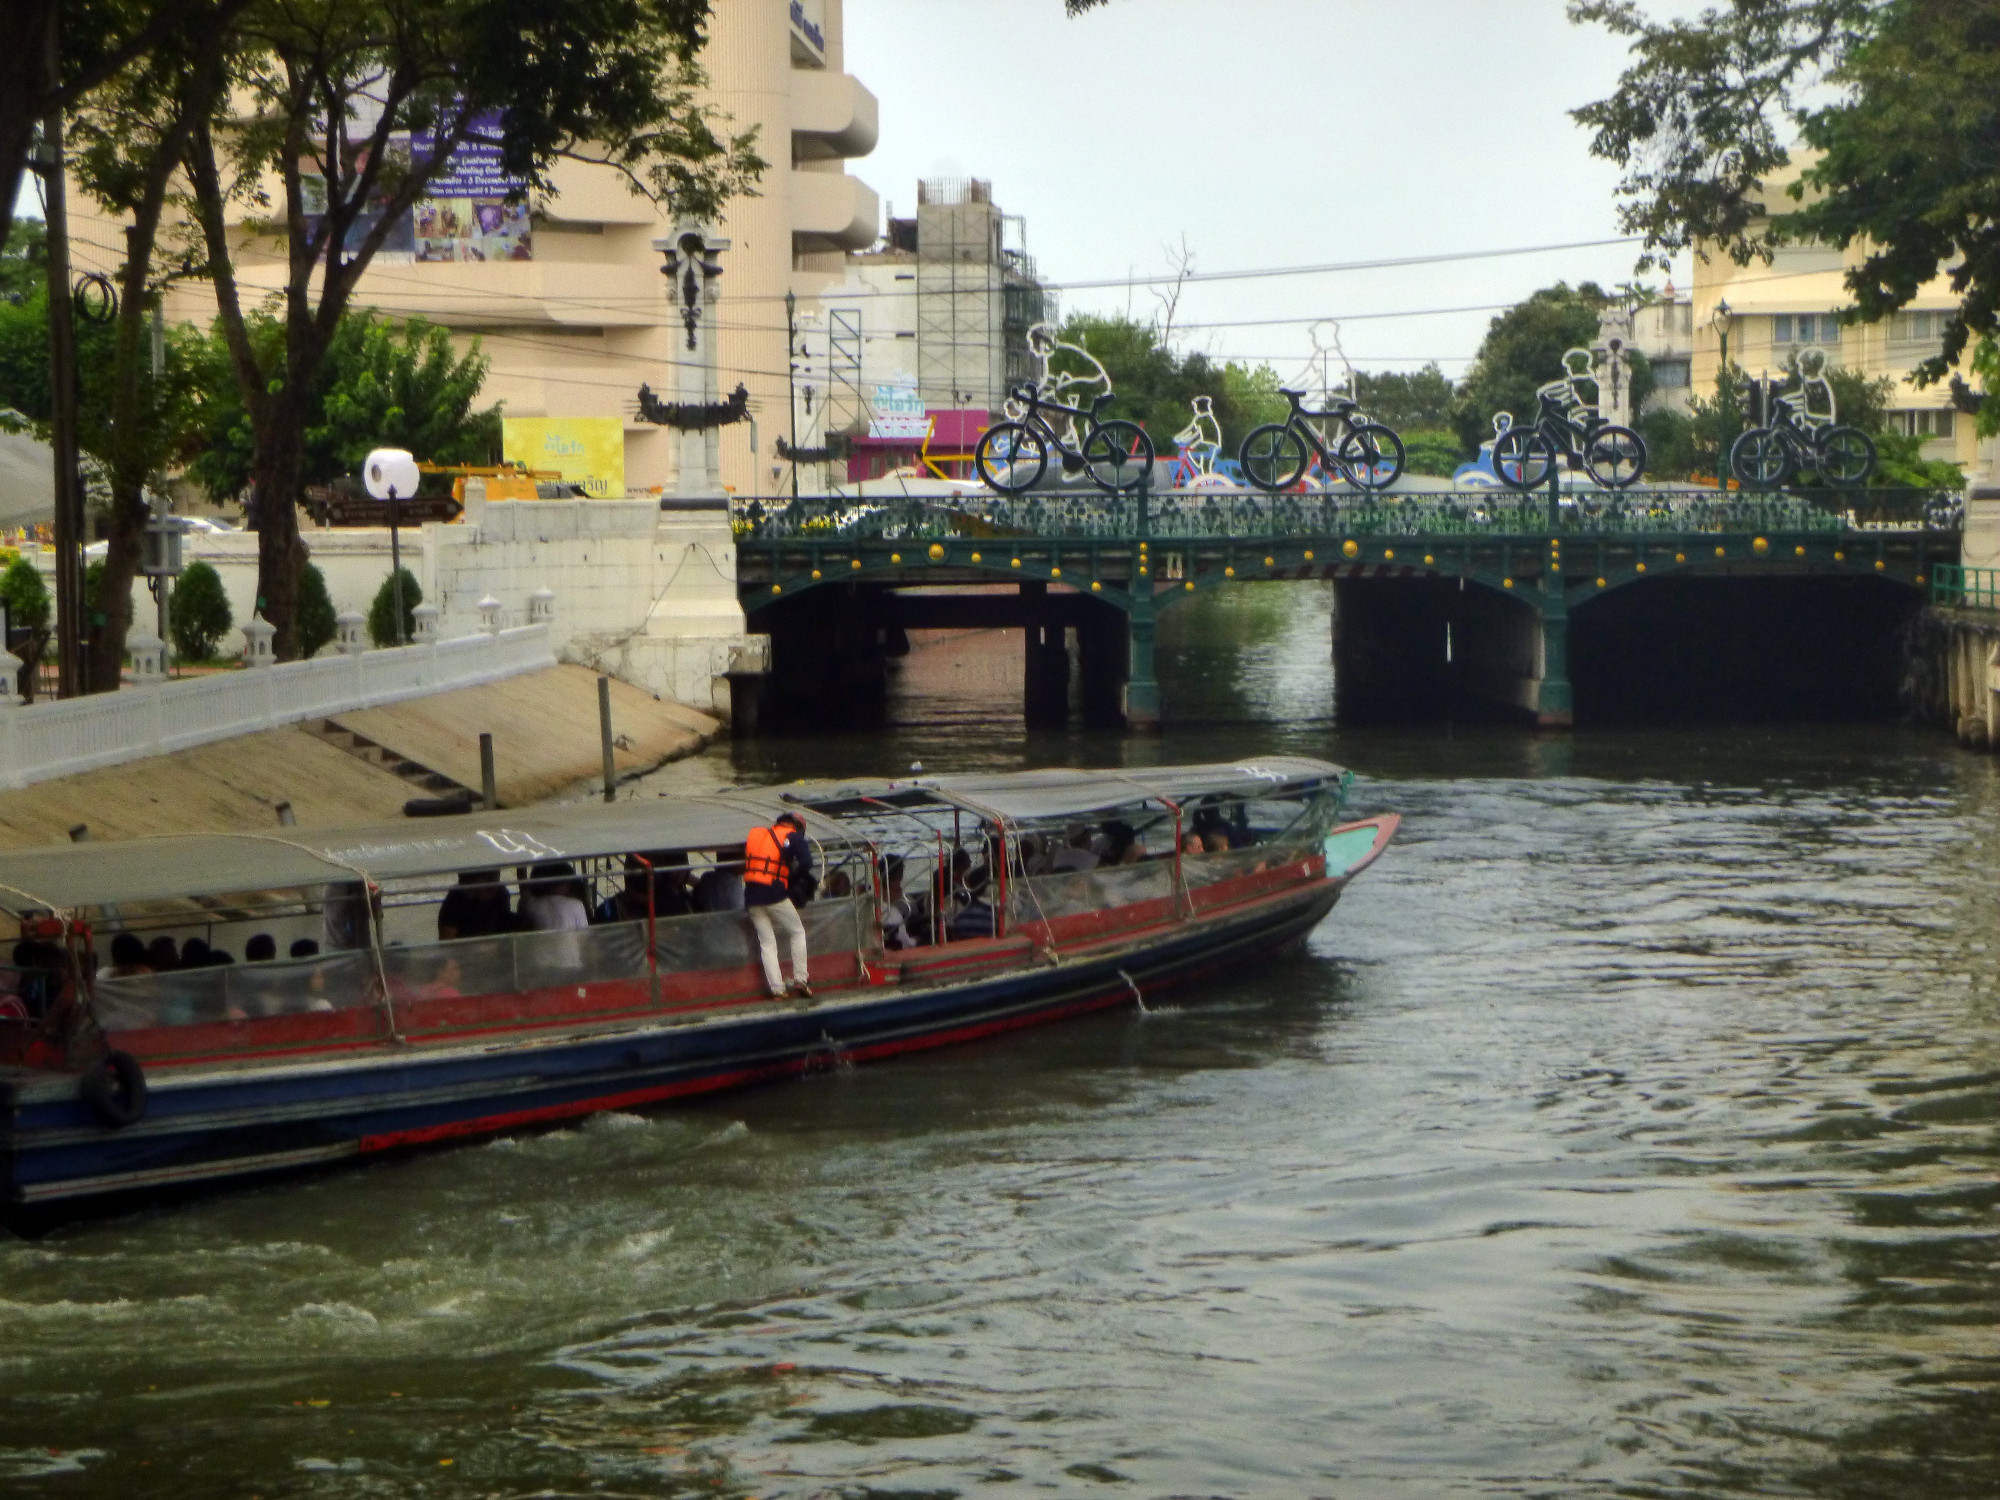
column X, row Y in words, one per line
column 1632, row 1129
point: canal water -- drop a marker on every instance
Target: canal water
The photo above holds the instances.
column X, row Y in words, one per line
column 1629, row 1130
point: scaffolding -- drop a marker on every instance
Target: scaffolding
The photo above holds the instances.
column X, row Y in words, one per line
column 977, row 296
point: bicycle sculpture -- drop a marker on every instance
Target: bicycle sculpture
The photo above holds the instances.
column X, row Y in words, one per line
column 1012, row 456
column 1568, row 427
column 1364, row 453
column 1800, row 431
column 1200, row 445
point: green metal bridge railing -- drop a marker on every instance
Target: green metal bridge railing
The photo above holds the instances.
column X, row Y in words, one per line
column 1096, row 515
column 1965, row 588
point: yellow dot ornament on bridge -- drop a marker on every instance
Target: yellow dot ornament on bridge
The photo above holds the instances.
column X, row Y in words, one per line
column 1798, row 552
column 1142, row 572
column 937, row 551
column 815, row 574
column 1309, row 556
column 1270, row 562
column 975, row 557
column 1189, row 585
column 1428, row 559
column 1840, row 557
column 1015, row 563
column 1506, row 583
column 1680, row 557
column 777, row 588
column 1096, row 587
column 1641, row 567
column 1718, row 552
column 1600, row 583
column 1228, row 572
column 1057, row 572
column 895, row 557
column 1879, row 564
column 1554, row 566
column 1350, row 549
column 1389, row 554
column 1760, row 546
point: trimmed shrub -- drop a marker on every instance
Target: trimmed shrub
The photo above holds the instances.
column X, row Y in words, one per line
column 312, row 615
column 198, row 615
column 382, row 613
column 25, row 595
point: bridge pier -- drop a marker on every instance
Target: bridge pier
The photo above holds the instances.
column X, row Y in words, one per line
column 1044, row 662
column 1103, row 648
column 1554, row 704
column 1142, row 687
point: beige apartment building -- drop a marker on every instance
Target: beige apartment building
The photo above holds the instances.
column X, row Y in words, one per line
column 1792, row 304
column 567, row 298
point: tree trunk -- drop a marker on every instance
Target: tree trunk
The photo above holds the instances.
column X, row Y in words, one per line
column 275, row 465
column 114, row 590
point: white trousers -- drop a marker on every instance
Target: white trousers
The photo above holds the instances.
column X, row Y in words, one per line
column 785, row 917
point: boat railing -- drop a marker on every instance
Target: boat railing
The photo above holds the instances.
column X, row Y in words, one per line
column 1071, row 893
column 1200, row 870
column 192, row 997
column 725, row 939
column 516, row 962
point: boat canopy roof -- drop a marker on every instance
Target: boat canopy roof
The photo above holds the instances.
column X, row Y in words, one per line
column 68, row 876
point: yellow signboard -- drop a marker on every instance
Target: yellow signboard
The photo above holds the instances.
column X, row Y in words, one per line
column 589, row 451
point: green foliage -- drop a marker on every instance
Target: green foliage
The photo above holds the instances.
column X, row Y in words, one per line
column 198, row 614
column 382, row 613
column 1155, row 387
column 1408, row 400
column 1900, row 464
column 1431, row 450
column 1523, row 349
column 93, row 592
column 1671, row 448
column 381, row 385
column 1903, row 155
column 25, row 595
column 1986, row 365
column 24, row 261
column 317, row 623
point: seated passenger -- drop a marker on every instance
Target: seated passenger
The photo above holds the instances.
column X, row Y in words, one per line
column 163, row 954
column 478, row 906
column 550, row 903
column 128, row 958
column 896, row 910
column 1076, row 853
column 1192, row 844
column 305, row 948
column 261, row 948
column 838, row 884
column 721, row 887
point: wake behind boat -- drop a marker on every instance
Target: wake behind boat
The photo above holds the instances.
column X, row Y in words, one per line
column 941, row 909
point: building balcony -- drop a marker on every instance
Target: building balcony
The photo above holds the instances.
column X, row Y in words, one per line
column 832, row 116
column 831, row 210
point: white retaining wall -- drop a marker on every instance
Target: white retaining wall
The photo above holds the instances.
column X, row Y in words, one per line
column 42, row 740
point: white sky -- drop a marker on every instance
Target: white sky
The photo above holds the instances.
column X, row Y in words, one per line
column 1269, row 133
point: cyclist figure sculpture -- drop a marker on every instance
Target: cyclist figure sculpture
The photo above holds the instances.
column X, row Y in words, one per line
column 1063, row 386
column 1802, row 431
column 1568, row 428
column 1818, row 406
column 1200, row 443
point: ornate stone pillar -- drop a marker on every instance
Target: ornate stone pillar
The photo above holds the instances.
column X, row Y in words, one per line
column 693, row 266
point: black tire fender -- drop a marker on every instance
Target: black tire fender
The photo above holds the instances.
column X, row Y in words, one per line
column 114, row 1086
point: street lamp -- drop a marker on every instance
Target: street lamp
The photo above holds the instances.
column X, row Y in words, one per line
column 391, row 473
column 1725, row 391
column 792, row 380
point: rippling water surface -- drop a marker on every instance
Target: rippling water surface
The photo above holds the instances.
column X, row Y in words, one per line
column 1630, row 1129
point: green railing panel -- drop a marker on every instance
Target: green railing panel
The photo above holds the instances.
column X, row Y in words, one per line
column 1965, row 588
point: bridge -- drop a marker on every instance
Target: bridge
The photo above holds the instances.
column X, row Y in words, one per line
column 1481, row 589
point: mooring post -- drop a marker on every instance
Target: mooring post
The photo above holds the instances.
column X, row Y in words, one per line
column 488, row 788
column 1142, row 688
column 604, row 734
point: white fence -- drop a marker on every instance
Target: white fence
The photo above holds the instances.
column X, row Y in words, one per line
column 41, row 740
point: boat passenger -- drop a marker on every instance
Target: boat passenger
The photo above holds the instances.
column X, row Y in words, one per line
column 1192, row 844
column 896, row 909
column 551, row 902
column 194, row 953
column 1076, row 853
column 721, row 886
column 478, row 906
column 128, row 958
column 775, row 859
column 838, row 885
column 305, row 948
column 163, row 954
column 262, row 948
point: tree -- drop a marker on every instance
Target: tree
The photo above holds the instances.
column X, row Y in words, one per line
column 24, row 263
column 1523, row 349
column 382, row 612
column 380, row 385
column 27, row 600
column 317, row 622
column 1903, row 155
column 198, row 614
column 1408, row 399
column 53, row 53
column 1155, row 387
column 328, row 94
column 1432, row 451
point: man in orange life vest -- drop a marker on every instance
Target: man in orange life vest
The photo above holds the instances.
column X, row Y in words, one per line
column 775, row 860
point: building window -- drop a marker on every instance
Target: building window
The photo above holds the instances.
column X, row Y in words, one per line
column 1805, row 328
column 1918, row 327
column 1928, row 422
column 1670, row 374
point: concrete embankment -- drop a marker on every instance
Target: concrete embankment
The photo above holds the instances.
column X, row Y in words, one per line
column 364, row 765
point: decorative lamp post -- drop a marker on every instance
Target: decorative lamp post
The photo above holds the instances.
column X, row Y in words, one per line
column 692, row 259
column 387, row 472
column 1725, row 389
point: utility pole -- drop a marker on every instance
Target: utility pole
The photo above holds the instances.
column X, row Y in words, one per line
column 792, row 380
column 62, row 407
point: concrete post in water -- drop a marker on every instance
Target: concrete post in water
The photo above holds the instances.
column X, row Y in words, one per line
column 489, row 615
column 488, row 788
column 604, row 734
column 257, row 633
column 348, row 638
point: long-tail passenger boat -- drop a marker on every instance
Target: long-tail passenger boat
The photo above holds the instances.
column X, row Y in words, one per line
column 947, row 908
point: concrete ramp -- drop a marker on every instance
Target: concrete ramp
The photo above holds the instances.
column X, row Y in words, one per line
column 544, row 728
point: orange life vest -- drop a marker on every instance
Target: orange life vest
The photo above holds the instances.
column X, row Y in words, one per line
column 764, row 855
